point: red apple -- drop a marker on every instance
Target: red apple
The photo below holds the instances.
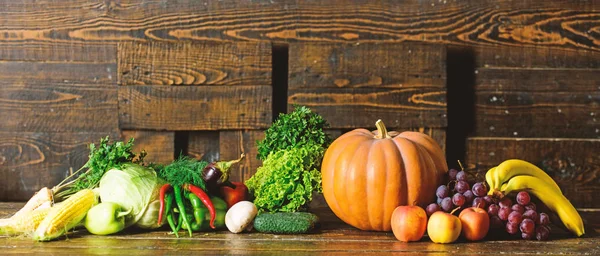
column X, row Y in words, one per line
column 409, row 223
column 443, row 227
column 475, row 223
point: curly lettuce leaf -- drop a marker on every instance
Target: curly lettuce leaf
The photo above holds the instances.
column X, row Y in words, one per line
column 287, row 179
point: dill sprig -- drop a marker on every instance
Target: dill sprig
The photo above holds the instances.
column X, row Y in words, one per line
column 183, row 170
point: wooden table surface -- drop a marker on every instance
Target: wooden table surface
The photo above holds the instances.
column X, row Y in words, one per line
column 333, row 237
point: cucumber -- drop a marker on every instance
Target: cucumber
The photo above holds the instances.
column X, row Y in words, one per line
column 286, row 222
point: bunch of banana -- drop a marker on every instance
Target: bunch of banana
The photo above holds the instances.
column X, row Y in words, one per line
column 516, row 175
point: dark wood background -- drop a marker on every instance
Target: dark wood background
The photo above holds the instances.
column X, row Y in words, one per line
column 489, row 80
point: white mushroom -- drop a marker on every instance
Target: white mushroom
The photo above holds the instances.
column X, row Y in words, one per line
column 240, row 216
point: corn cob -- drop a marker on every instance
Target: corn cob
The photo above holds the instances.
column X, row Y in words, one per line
column 39, row 198
column 65, row 216
column 24, row 223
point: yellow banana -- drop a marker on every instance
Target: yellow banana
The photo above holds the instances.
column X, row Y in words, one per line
column 552, row 198
column 488, row 177
column 515, row 167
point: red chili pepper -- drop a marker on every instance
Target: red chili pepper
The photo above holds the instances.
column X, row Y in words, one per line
column 163, row 191
column 205, row 199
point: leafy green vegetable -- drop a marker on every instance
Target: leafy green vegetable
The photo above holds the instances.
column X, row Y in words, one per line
column 299, row 128
column 287, row 179
column 101, row 159
column 132, row 186
column 183, row 170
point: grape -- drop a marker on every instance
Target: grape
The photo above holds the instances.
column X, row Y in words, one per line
column 527, row 226
column 461, row 176
column 542, row 233
column 496, row 222
column 442, row 191
column 515, row 217
column 523, row 198
column 469, row 196
column 512, row 228
column 446, row 204
column 479, row 189
column 489, row 200
column 492, row 210
column 531, row 214
column 528, row 236
column 431, row 208
column 479, row 202
column 503, row 213
column 518, row 208
column 452, row 174
column 461, row 186
column 530, row 206
column 543, row 219
column 505, row 203
column 458, row 199
column 439, row 201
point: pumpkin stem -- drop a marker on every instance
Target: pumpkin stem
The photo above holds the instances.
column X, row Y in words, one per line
column 383, row 133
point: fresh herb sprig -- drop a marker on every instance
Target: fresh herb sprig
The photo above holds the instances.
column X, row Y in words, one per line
column 102, row 158
column 298, row 128
column 184, row 170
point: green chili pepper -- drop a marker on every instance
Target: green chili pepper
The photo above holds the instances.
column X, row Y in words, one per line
column 169, row 211
column 195, row 226
column 196, row 202
column 179, row 223
column 181, row 206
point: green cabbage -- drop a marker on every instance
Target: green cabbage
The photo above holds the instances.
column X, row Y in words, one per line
column 134, row 188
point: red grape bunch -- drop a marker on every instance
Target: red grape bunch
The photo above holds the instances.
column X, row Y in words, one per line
column 459, row 193
column 519, row 218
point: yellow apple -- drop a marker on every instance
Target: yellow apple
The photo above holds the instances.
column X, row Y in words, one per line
column 443, row 227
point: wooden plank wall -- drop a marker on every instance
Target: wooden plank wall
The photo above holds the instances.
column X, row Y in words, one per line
column 205, row 78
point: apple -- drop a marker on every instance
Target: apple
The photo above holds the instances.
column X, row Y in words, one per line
column 443, row 227
column 409, row 223
column 475, row 223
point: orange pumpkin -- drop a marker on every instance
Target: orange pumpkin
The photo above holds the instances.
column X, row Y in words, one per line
column 366, row 175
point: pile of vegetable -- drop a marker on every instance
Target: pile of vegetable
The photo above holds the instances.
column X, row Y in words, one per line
column 116, row 189
column 292, row 152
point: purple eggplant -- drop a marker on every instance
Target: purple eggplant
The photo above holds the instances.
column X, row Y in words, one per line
column 216, row 174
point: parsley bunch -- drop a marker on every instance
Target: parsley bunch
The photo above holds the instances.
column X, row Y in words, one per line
column 296, row 129
column 102, row 158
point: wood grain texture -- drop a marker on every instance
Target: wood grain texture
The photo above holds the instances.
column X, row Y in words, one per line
column 353, row 85
column 319, row 65
column 334, row 237
column 538, row 56
column 211, row 63
column 361, row 107
column 30, row 161
column 194, row 107
column 550, row 24
column 537, row 93
column 59, row 51
column 59, row 108
column 564, row 114
column 233, row 143
column 573, row 163
column 204, row 145
column 160, row 146
column 21, row 73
